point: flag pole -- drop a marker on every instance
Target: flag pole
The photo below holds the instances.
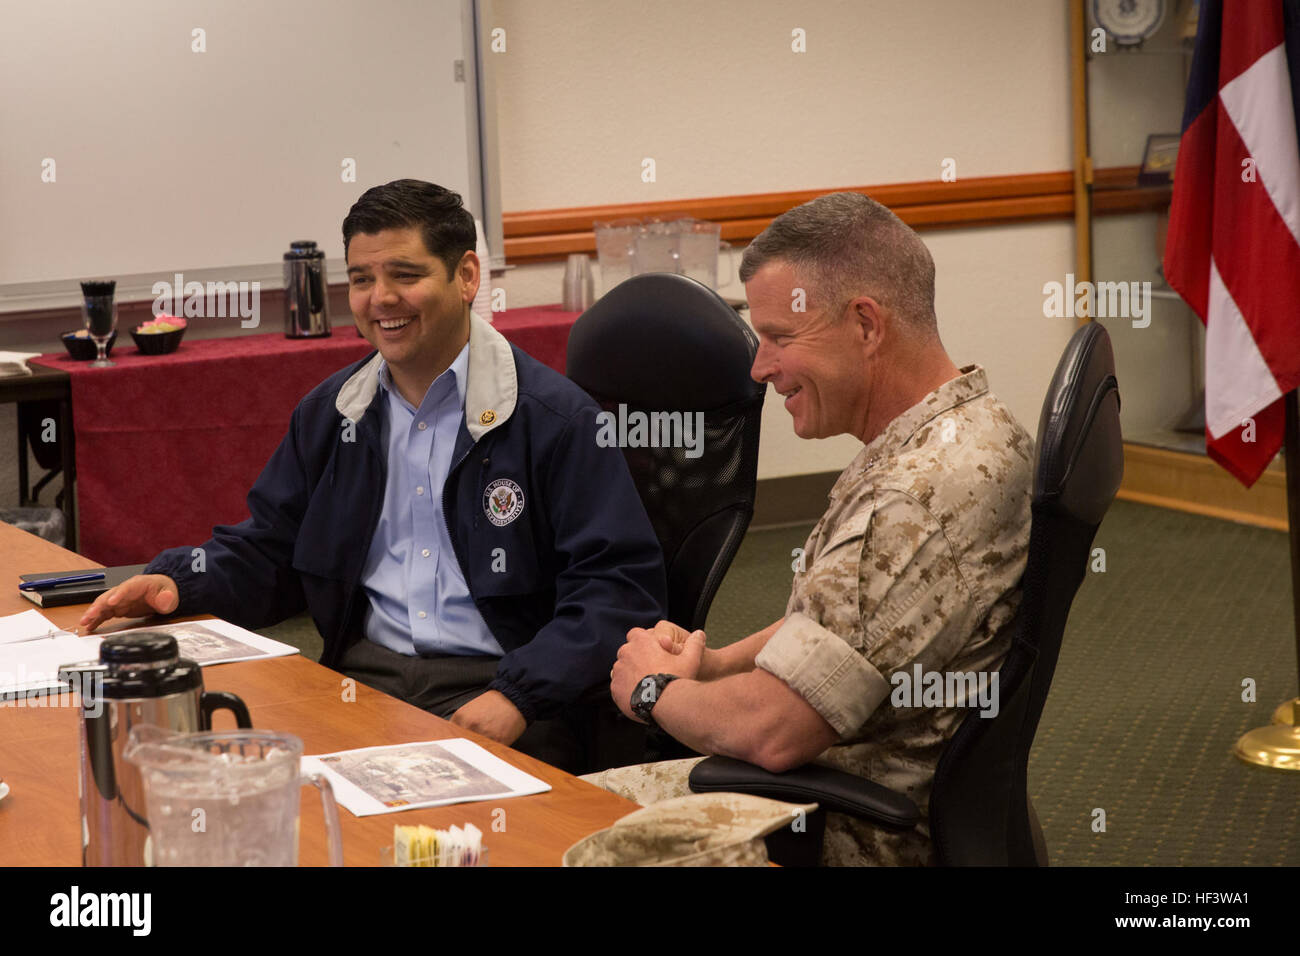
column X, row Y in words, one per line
column 1278, row 745
column 1293, row 527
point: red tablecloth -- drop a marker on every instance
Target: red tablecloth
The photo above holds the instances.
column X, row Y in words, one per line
column 167, row 446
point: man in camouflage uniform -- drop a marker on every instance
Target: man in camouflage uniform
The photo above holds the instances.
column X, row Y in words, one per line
column 915, row 564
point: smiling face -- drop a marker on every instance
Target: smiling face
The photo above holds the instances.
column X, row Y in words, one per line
column 406, row 305
column 817, row 360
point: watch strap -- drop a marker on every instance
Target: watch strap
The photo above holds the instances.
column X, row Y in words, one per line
column 647, row 693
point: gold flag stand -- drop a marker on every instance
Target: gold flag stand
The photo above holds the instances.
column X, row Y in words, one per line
column 1278, row 745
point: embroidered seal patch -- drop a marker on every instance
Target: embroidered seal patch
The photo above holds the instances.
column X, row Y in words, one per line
column 503, row 501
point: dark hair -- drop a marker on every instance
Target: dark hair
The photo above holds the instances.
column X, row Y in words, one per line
column 444, row 223
column 846, row 244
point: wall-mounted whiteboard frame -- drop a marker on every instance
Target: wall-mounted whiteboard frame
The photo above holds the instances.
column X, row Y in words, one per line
column 168, row 159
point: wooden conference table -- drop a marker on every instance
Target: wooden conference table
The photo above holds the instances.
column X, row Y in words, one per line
column 40, row 819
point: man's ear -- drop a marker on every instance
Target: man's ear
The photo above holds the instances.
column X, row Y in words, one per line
column 470, row 275
column 871, row 321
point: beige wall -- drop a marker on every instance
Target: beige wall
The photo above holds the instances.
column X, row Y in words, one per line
column 885, row 92
column 711, row 90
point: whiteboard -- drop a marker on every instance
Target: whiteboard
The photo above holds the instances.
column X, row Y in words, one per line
column 203, row 136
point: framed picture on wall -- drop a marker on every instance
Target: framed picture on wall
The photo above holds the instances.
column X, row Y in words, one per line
column 1159, row 160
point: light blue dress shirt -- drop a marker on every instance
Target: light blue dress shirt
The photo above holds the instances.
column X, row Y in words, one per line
column 419, row 602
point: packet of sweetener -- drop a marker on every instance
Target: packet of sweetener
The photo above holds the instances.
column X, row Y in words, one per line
column 421, row 845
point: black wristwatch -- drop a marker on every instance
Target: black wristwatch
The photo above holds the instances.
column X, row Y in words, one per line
column 647, row 693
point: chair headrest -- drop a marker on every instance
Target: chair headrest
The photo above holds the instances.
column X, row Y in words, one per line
column 1080, row 448
column 664, row 340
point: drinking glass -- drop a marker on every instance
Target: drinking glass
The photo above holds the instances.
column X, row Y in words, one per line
column 99, row 315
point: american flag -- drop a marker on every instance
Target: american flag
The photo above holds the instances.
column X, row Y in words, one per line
column 1233, row 251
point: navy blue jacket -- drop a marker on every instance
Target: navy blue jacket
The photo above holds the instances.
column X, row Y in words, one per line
column 559, row 584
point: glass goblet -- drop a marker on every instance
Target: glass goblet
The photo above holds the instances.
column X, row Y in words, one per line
column 100, row 318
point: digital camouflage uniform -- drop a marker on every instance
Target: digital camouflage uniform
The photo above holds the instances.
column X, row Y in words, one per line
column 917, row 560
column 702, row 829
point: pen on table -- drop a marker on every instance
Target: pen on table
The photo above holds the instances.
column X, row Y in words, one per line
column 49, row 583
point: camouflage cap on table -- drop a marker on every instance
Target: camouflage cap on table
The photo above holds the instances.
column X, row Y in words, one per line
column 705, row 829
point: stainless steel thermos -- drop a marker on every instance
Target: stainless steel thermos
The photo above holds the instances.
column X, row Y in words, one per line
column 306, row 292
column 138, row 679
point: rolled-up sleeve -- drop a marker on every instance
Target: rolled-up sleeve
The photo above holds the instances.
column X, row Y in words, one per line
column 879, row 596
column 822, row 668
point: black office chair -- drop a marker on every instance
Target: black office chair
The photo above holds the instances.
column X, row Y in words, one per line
column 30, row 515
column 48, row 454
column 980, row 812
column 663, row 343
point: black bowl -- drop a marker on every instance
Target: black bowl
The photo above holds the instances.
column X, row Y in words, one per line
column 82, row 348
column 157, row 343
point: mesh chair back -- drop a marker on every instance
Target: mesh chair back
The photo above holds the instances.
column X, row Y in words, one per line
column 669, row 361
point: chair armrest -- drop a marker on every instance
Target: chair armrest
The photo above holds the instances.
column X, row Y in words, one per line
column 834, row 790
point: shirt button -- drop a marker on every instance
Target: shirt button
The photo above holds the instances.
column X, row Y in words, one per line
column 425, row 552
column 420, row 490
column 422, row 426
column 423, row 615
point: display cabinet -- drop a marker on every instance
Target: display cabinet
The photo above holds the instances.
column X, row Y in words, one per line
column 1130, row 61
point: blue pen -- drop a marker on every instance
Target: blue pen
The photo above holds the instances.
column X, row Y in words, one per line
column 50, row 583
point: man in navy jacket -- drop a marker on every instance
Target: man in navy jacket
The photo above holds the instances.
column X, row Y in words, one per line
column 544, row 554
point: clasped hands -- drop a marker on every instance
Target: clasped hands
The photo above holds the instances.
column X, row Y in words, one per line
column 663, row 649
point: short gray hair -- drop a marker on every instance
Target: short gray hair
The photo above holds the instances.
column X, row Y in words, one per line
column 845, row 245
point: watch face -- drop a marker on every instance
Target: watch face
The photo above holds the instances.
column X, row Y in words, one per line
column 1129, row 21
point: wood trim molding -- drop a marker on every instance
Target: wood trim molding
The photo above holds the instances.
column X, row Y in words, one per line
column 1194, row 483
column 769, row 205
column 1152, row 476
column 540, row 235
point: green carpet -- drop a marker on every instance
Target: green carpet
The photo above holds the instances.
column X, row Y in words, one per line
column 1147, row 699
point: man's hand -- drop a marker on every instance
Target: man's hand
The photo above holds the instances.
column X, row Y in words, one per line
column 492, row 715
column 667, row 649
column 137, row 596
column 674, row 640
